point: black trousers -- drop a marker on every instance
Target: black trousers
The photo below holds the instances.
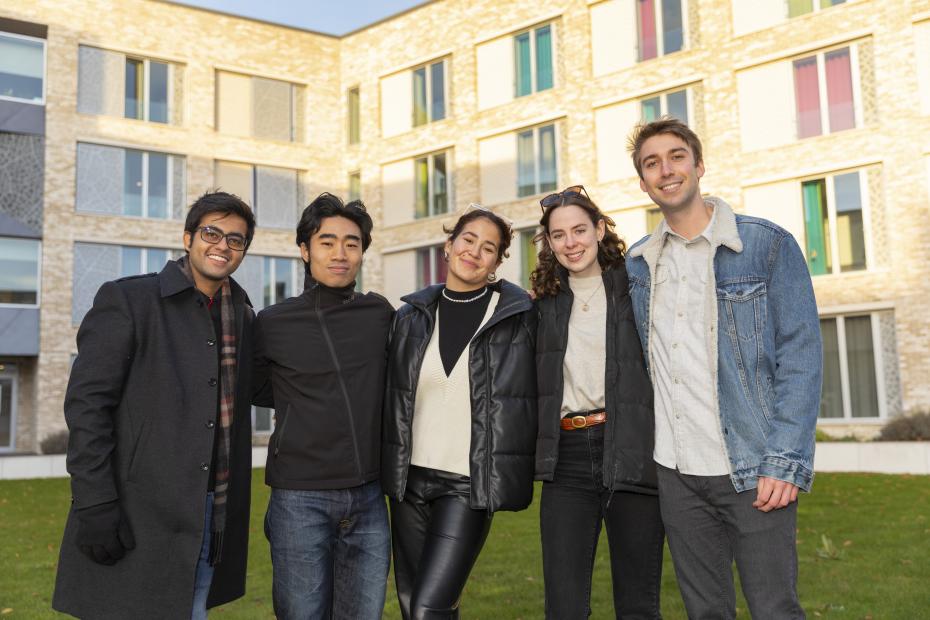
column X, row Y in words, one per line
column 573, row 506
column 436, row 539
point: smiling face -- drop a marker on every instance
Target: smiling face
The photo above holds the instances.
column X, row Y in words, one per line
column 573, row 238
column 211, row 263
column 335, row 252
column 473, row 254
column 671, row 177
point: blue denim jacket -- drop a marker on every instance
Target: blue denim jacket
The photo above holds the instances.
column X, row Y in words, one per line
column 767, row 352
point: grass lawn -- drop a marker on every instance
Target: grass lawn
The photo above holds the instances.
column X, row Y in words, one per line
column 875, row 562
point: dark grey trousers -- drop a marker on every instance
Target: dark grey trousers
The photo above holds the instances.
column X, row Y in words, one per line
column 709, row 525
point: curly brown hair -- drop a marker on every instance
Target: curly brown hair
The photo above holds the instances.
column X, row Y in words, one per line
column 610, row 251
column 503, row 227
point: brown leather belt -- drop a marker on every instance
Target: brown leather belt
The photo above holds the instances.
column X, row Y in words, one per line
column 571, row 422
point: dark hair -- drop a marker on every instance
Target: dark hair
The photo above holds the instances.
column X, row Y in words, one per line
column 545, row 277
column 220, row 202
column 664, row 125
column 327, row 205
column 503, row 227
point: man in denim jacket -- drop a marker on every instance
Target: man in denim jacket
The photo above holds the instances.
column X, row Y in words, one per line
column 726, row 313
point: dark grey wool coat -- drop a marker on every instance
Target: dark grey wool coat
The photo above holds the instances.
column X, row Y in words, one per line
column 141, row 406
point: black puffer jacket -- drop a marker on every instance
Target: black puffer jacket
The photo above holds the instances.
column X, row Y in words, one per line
column 630, row 428
column 502, row 377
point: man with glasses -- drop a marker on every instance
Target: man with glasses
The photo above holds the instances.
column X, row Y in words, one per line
column 320, row 362
column 158, row 407
column 728, row 321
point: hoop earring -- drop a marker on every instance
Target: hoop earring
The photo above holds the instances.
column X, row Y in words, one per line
column 492, row 277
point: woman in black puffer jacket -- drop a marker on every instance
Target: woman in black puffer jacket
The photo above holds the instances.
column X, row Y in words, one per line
column 459, row 423
column 596, row 422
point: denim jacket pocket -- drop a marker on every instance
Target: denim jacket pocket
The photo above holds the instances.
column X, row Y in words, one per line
column 743, row 304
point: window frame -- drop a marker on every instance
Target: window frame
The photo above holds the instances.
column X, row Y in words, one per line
column 44, row 43
column 169, row 186
column 534, row 67
column 10, row 370
column 662, row 96
column 38, row 302
column 822, row 89
column 877, row 360
column 354, row 115
column 430, row 185
column 295, row 277
column 660, row 31
column 537, row 190
column 254, row 410
column 434, row 252
column 146, row 103
column 354, row 176
column 170, row 254
column 526, row 238
column 830, row 191
column 816, row 7
column 428, row 87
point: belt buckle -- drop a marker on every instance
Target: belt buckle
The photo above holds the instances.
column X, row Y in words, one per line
column 579, row 421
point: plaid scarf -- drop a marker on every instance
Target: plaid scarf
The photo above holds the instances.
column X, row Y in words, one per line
column 227, row 405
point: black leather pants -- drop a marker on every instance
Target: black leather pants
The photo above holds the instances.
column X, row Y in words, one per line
column 436, row 539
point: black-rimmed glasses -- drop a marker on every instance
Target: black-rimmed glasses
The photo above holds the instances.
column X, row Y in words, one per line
column 213, row 235
column 559, row 198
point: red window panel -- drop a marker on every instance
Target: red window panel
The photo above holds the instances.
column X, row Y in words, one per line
column 648, row 42
column 839, row 90
column 807, row 97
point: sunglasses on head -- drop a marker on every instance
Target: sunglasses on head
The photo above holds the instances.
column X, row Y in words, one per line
column 559, row 198
column 474, row 206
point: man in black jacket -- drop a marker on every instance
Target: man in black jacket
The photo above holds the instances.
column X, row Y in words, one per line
column 160, row 444
column 320, row 362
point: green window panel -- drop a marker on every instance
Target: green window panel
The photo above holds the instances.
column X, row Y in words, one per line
column 420, row 116
column 523, row 67
column 421, row 186
column 799, row 7
column 651, row 109
column 543, row 58
column 816, row 226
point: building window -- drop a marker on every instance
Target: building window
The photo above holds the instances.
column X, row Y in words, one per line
column 257, row 107
column 19, row 271
column 147, row 84
column 851, row 367
column 272, row 192
column 673, row 104
column 533, row 60
column 823, row 89
column 280, row 279
column 801, row 7
column 431, row 266
column 117, row 181
column 429, row 93
column 22, row 68
column 659, row 24
column 432, row 185
column 135, row 261
column 355, row 185
column 536, row 161
column 653, row 219
column 834, row 223
column 528, row 255
column 354, row 115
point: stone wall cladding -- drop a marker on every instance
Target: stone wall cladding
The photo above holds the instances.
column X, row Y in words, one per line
column 202, row 41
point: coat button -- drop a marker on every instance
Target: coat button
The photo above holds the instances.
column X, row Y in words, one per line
column 211, row 342
column 204, row 467
column 210, row 424
column 212, row 382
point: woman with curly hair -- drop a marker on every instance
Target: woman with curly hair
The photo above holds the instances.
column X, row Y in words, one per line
column 595, row 438
column 459, row 423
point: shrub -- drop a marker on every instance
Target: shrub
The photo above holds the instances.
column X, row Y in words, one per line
column 55, row 443
column 913, row 427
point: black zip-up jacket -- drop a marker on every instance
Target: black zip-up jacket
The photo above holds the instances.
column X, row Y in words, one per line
column 325, row 367
column 502, row 381
column 629, row 435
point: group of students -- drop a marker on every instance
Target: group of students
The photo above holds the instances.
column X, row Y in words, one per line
column 650, row 389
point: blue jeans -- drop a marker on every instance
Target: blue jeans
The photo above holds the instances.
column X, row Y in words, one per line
column 203, row 577
column 330, row 552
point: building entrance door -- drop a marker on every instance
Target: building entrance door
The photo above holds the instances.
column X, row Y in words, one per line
column 7, row 407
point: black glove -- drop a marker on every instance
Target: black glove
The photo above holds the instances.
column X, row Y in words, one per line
column 103, row 533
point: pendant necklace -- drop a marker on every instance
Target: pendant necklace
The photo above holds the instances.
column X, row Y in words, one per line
column 584, row 304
